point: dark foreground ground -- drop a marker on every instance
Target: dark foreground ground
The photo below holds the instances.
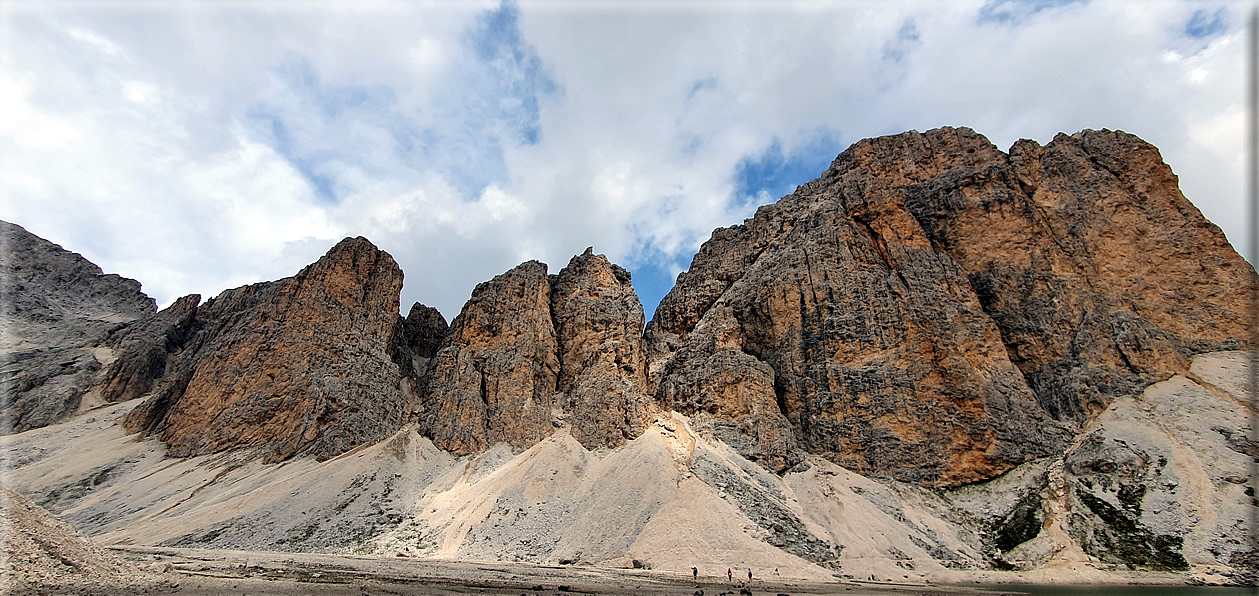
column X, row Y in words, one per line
column 195, row 572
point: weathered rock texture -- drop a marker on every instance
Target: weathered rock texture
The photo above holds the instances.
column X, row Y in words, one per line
column 532, row 352
column 57, row 306
column 306, row 364
column 603, row 360
column 1102, row 277
column 931, row 307
column 426, row 329
column 1158, row 482
column 144, row 348
column 495, row 379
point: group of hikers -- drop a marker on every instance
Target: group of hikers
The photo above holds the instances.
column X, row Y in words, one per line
column 729, row 573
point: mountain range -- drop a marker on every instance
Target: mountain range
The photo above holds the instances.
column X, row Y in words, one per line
column 936, row 360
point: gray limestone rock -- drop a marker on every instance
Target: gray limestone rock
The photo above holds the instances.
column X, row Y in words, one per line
column 57, row 308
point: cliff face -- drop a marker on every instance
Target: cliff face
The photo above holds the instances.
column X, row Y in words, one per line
column 305, row 364
column 530, row 353
column 495, row 378
column 144, row 349
column 937, row 311
column 58, row 306
column 1102, row 277
column 603, row 360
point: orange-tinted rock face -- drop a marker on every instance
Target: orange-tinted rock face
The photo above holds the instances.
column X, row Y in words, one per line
column 1101, row 276
column 532, row 352
column 495, row 379
column 299, row 365
column 930, row 306
column 603, row 361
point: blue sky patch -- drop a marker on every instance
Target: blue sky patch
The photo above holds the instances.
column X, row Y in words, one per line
column 773, row 173
column 515, row 72
column 1013, row 12
column 276, row 135
column 906, row 40
column 492, row 102
column 701, row 85
column 652, row 281
column 1206, row 24
column 301, row 122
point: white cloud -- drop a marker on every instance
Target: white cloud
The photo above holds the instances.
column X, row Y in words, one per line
column 92, row 40
column 26, row 127
column 428, row 55
column 139, row 91
column 200, row 146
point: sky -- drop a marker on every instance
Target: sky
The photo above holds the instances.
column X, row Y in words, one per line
column 200, row 146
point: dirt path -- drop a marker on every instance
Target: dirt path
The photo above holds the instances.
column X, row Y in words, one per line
column 197, row 571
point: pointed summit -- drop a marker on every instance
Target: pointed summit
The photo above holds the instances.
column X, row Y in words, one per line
column 530, row 353
column 304, row 365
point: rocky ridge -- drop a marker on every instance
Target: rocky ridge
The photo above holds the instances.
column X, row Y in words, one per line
column 309, row 364
column 930, row 309
column 57, row 307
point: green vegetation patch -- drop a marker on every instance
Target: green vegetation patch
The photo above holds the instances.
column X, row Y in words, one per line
column 1125, row 538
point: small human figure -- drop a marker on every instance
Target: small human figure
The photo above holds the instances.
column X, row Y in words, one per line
column 749, row 574
column 775, row 571
column 729, row 574
column 695, row 573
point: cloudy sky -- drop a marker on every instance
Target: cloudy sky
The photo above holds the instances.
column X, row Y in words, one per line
column 198, row 146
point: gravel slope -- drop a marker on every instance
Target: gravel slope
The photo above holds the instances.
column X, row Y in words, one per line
column 677, row 497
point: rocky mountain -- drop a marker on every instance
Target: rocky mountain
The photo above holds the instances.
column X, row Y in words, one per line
column 309, row 364
column 936, row 357
column 531, row 353
column 426, row 329
column 937, row 311
column 56, row 308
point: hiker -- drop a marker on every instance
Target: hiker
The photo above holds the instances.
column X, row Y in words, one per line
column 775, row 571
column 695, row 573
column 749, row 574
column 729, row 574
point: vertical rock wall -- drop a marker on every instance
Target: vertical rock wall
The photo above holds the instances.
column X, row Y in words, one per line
column 300, row 365
column 530, row 353
column 937, row 311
